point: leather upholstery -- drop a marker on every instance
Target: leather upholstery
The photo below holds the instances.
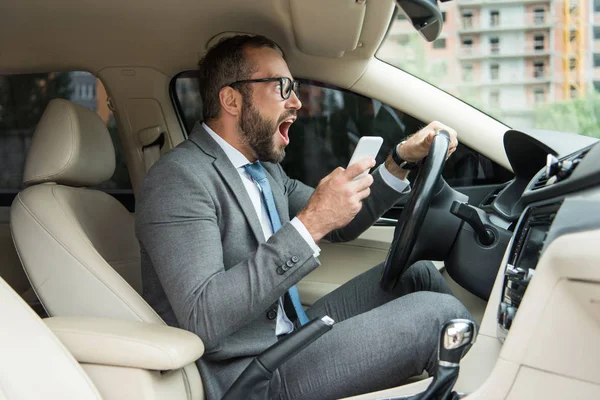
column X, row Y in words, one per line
column 78, row 245
column 127, row 343
column 33, row 362
column 79, row 250
column 70, row 146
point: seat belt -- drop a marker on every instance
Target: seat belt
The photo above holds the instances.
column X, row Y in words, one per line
column 152, row 140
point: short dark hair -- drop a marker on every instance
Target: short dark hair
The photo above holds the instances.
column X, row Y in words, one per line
column 225, row 63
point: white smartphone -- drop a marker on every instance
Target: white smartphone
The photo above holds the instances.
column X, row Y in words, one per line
column 368, row 146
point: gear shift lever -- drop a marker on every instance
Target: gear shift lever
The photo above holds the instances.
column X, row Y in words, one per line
column 456, row 338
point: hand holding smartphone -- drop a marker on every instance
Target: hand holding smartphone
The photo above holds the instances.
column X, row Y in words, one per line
column 368, row 146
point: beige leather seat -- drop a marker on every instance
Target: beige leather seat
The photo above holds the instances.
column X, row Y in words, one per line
column 78, row 245
column 33, row 362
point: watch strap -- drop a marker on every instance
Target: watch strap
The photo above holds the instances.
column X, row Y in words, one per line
column 400, row 161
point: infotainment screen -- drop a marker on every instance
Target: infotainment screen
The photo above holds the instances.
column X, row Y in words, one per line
column 533, row 246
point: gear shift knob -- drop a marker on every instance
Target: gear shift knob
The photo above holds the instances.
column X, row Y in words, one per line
column 456, row 337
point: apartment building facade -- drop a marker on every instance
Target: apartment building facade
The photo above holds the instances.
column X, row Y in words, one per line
column 507, row 57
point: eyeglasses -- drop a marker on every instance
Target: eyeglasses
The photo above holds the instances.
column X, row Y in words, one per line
column 286, row 85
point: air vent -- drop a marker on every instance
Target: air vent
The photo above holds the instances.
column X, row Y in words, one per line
column 492, row 197
column 558, row 169
column 540, row 182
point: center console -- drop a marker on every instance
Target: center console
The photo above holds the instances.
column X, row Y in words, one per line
column 529, row 240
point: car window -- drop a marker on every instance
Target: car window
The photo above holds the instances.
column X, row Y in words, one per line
column 329, row 125
column 23, row 99
column 531, row 65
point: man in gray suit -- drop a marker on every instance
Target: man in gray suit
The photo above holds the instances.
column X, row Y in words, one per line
column 225, row 235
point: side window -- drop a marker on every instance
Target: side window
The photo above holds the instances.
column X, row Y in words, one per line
column 23, row 99
column 332, row 120
column 329, row 125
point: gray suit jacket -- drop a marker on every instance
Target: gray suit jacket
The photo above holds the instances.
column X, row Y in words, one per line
column 206, row 266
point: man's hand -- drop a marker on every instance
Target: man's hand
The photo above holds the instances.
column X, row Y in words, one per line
column 337, row 199
column 417, row 147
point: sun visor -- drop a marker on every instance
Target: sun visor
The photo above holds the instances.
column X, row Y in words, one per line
column 327, row 27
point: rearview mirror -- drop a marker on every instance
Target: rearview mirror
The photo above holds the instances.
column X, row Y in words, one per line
column 425, row 16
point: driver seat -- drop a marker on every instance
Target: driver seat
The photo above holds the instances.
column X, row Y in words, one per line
column 77, row 244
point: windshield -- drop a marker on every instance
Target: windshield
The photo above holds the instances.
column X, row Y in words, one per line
column 512, row 60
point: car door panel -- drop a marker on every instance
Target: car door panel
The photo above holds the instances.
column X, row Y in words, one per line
column 341, row 262
column 10, row 265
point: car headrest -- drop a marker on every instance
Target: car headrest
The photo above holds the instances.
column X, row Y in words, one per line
column 71, row 146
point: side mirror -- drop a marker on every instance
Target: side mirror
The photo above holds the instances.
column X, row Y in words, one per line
column 425, row 16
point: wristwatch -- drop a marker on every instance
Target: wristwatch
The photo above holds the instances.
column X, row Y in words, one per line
column 403, row 163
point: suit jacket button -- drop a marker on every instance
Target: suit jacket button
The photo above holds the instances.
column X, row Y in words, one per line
column 271, row 314
column 289, row 263
column 295, row 259
column 280, row 271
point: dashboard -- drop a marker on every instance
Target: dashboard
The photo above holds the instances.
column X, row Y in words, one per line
column 543, row 203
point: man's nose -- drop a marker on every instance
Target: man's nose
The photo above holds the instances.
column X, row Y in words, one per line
column 293, row 102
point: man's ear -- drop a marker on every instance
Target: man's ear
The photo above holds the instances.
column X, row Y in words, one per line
column 231, row 101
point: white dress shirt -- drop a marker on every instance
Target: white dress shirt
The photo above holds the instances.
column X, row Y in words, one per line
column 284, row 325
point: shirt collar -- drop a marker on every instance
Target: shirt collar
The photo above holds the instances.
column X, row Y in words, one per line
column 237, row 159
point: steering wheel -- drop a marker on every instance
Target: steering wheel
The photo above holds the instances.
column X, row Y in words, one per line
column 413, row 215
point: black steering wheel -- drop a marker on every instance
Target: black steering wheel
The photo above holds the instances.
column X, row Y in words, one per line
column 413, row 215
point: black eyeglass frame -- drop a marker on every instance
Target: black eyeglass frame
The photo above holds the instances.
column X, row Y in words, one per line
column 282, row 80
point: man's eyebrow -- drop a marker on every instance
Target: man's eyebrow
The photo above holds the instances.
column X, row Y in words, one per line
column 279, row 76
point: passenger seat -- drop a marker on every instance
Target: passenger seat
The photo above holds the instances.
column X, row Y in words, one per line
column 33, row 363
column 78, row 244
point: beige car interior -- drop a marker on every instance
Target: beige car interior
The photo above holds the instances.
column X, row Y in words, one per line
column 77, row 245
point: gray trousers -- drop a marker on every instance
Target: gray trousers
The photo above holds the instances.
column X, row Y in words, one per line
column 380, row 339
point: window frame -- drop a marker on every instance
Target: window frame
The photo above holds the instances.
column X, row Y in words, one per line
column 453, row 182
column 124, row 195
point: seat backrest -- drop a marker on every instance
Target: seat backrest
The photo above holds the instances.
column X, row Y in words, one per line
column 77, row 245
column 33, row 363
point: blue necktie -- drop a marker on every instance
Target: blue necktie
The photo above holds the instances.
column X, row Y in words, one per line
column 257, row 172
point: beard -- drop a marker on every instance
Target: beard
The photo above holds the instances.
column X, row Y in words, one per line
column 258, row 132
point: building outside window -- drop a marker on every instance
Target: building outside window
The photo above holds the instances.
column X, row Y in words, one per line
column 539, row 16
column 538, row 69
column 495, row 18
column 494, row 72
column 495, row 99
column 539, row 96
column 467, row 46
column 467, row 72
column 439, row 44
column 538, row 42
column 573, row 92
column 467, row 19
column 495, row 45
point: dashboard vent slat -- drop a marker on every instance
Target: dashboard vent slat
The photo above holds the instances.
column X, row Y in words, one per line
column 565, row 167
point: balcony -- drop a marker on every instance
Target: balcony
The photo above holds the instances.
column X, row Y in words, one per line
column 514, row 79
column 597, row 73
column 472, row 3
column 528, row 21
column 597, row 18
column 479, row 52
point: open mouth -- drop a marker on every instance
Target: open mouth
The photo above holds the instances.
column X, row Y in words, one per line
column 284, row 128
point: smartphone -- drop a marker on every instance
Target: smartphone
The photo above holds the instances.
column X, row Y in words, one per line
column 368, row 146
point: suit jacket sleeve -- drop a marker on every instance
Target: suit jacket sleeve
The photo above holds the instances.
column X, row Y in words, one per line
column 178, row 225
column 382, row 198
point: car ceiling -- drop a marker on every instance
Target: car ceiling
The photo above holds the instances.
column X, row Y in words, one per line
column 170, row 36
